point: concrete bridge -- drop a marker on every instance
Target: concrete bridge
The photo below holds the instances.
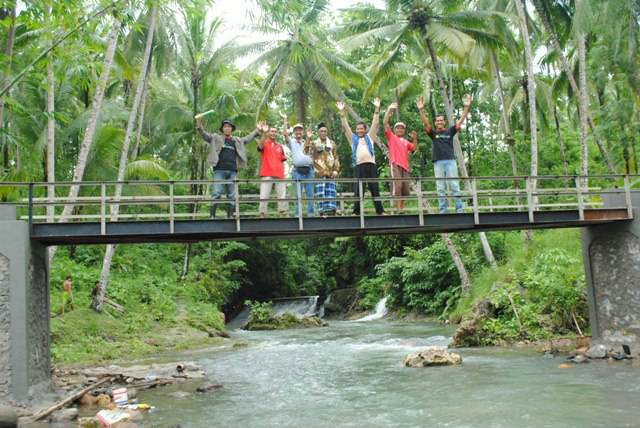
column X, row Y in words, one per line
column 606, row 210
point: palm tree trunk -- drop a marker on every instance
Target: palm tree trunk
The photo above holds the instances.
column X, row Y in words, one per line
column 531, row 92
column 92, row 124
column 124, row 155
column 486, row 247
column 301, row 104
column 564, row 63
column 136, row 148
column 583, row 106
column 465, row 284
column 51, row 135
column 563, row 151
column 8, row 53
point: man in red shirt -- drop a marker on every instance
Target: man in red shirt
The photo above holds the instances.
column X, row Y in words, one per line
column 272, row 168
column 399, row 150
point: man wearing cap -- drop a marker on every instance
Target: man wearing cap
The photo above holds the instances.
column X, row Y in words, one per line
column 362, row 153
column 302, row 163
column 326, row 167
column 399, row 150
column 444, row 159
column 227, row 154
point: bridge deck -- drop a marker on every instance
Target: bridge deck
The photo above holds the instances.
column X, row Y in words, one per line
column 289, row 228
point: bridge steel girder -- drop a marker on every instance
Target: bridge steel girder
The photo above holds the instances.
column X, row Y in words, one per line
column 611, row 254
column 288, row 228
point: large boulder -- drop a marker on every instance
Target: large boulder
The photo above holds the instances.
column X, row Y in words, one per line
column 432, row 356
column 8, row 417
column 65, row 415
column 597, row 351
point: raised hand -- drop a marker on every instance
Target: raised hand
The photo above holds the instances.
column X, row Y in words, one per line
column 309, row 133
column 420, row 103
column 340, row 105
column 262, row 126
column 414, row 136
column 199, row 121
column 393, row 106
column 466, row 100
column 376, row 102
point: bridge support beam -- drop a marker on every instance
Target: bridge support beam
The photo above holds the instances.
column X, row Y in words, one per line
column 611, row 255
column 25, row 369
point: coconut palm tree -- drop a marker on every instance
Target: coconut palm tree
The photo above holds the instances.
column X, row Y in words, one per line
column 302, row 61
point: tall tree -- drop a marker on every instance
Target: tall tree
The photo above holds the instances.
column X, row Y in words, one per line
column 124, row 155
column 523, row 24
column 92, row 123
column 542, row 8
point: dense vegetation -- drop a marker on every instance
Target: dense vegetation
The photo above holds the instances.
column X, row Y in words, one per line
column 101, row 90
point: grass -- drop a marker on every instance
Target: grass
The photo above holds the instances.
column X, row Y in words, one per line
column 83, row 336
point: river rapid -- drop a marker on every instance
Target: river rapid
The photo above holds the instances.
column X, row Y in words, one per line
column 350, row 374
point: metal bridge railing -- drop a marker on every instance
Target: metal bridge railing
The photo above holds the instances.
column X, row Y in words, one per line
column 190, row 200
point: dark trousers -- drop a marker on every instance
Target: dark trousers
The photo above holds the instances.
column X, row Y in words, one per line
column 367, row 170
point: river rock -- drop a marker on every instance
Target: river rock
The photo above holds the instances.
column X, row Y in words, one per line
column 467, row 333
column 65, row 415
column 8, row 417
column 432, row 356
column 92, row 422
column 209, row 387
column 597, row 351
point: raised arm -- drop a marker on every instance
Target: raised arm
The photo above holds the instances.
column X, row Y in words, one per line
column 248, row 138
column 264, row 128
column 375, row 121
column 343, row 119
column 414, row 141
column 308, row 144
column 425, row 122
column 204, row 134
column 466, row 102
column 385, row 121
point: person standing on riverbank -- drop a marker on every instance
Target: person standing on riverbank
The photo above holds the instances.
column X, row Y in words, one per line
column 227, row 154
column 272, row 159
column 363, row 154
column 399, row 150
column 444, row 159
column 67, row 294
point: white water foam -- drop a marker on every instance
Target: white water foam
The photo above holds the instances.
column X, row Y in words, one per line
column 379, row 313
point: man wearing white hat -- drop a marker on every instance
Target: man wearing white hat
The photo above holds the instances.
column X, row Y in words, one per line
column 302, row 164
column 399, row 149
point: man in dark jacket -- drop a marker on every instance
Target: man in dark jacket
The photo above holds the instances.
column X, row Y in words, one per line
column 227, row 154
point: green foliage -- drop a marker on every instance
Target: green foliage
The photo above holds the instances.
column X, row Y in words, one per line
column 205, row 317
column 543, row 284
column 370, row 291
column 260, row 312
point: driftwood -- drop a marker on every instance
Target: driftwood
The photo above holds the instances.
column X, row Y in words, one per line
column 114, row 305
column 151, row 384
column 69, row 400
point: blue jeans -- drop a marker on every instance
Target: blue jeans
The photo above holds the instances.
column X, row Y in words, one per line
column 307, row 188
column 447, row 169
column 223, row 186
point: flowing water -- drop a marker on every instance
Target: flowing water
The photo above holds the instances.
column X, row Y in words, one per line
column 350, row 374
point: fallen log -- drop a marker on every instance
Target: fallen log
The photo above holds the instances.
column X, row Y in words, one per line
column 69, row 400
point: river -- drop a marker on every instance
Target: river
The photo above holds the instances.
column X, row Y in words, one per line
column 351, row 375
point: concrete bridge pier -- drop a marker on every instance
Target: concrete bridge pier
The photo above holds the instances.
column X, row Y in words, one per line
column 611, row 255
column 25, row 366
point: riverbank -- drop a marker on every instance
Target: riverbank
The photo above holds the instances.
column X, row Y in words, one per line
column 84, row 337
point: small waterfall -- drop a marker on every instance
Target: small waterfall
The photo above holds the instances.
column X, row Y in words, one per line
column 379, row 313
column 305, row 306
